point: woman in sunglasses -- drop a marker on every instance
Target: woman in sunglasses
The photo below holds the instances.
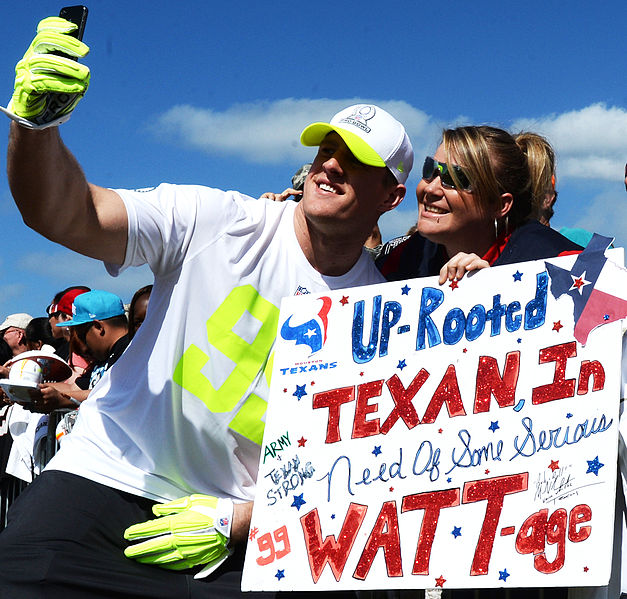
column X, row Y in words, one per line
column 474, row 210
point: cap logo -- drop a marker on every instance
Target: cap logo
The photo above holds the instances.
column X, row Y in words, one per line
column 360, row 117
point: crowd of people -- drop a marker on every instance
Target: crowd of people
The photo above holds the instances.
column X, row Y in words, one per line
column 89, row 330
column 160, row 464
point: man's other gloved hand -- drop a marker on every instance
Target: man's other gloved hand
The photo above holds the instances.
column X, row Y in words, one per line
column 190, row 531
column 48, row 86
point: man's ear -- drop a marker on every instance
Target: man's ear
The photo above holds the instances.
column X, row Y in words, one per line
column 394, row 198
column 507, row 202
column 100, row 328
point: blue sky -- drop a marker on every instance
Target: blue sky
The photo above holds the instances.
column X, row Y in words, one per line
column 217, row 94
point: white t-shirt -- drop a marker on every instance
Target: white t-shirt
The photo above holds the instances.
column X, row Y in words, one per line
column 182, row 411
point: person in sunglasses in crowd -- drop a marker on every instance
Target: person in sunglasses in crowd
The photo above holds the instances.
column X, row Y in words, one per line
column 475, row 209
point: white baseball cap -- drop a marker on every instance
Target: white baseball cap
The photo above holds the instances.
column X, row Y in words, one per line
column 373, row 135
column 19, row 321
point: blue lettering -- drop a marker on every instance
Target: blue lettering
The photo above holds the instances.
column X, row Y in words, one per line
column 535, row 310
column 454, row 325
column 430, row 300
column 361, row 353
column 475, row 323
column 391, row 315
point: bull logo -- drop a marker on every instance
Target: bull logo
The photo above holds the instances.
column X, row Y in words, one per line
column 312, row 333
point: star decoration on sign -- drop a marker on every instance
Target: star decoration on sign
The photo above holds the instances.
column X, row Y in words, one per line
column 439, row 581
column 300, row 392
column 457, row 531
column 554, row 465
column 606, row 317
column 569, row 415
column 579, row 282
column 332, row 516
column 594, row 466
column 280, row 574
column 301, row 442
column 344, row 300
column 377, row 450
column 487, row 471
column 519, row 340
column 517, row 276
column 585, row 568
column 401, row 364
column 557, row 326
column 494, row 426
column 298, row 501
column 310, row 333
column 503, row 574
column 454, row 284
column 405, row 290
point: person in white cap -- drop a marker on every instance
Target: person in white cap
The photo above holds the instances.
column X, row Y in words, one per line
column 12, row 331
column 176, row 426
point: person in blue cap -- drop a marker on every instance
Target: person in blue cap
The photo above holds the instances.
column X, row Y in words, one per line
column 100, row 322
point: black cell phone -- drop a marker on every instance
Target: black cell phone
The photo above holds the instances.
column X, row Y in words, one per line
column 78, row 16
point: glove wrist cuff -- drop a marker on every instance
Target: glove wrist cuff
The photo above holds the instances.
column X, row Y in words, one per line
column 224, row 517
column 30, row 125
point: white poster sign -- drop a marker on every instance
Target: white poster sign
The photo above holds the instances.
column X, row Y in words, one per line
column 456, row 436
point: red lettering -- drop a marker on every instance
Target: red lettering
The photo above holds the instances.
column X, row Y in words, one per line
column 333, row 400
column 560, row 388
column 578, row 515
column 402, row 397
column 590, row 369
column 493, row 490
column 334, row 552
column 490, row 382
column 361, row 426
column 538, row 528
column 389, row 540
column 431, row 503
column 555, row 534
column 447, row 392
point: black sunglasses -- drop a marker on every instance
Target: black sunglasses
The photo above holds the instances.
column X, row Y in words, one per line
column 432, row 169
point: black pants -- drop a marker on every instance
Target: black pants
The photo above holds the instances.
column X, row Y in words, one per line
column 65, row 539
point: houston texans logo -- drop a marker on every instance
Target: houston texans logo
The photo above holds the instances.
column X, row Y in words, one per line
column 310, row 333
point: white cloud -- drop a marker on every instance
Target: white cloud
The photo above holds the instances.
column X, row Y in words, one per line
column 591, row 143
column 269, row 132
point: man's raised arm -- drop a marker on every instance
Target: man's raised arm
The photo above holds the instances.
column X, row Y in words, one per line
column 46, row 181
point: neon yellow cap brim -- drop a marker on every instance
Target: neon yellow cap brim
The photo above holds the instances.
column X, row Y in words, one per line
column 316, row 132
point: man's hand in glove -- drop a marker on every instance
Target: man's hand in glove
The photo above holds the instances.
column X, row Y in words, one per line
column 48, row 86
column 189, row 531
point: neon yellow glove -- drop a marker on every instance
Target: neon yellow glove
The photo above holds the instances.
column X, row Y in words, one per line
column 48, row 86
column 191, row 531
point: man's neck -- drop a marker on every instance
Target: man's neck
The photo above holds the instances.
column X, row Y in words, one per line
column 330, row 254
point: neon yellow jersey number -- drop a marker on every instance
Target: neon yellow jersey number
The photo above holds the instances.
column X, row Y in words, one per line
column 249, row 359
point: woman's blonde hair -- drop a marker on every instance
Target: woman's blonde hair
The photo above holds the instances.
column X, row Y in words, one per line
column 541, row 159
column 494, row 165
